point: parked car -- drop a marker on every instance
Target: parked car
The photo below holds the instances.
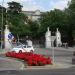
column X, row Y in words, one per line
column 23, row 48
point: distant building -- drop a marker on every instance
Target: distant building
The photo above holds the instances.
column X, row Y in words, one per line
column 33, row 15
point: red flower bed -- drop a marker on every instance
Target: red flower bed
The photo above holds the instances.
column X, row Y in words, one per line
column 30, row 58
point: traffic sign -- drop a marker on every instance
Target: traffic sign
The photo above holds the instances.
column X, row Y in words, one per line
column 10, row 36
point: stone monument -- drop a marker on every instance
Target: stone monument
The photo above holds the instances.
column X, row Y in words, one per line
column 58, row 38
column 48, row 38
column 7, row 42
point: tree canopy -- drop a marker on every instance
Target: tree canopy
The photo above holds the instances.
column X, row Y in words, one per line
column 14, row 7
column 2, row 14
column 21, row 25
column 62, row 19
column 16, row 19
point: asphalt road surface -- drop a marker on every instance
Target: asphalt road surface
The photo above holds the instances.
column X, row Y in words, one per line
column 61, row 55
column 10, row 64
column 57, row 51
column 70, row 71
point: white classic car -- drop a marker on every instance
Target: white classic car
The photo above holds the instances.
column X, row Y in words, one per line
column 23, row 48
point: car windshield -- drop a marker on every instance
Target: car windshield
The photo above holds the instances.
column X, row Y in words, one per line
column 18, row 45
column 28, row 46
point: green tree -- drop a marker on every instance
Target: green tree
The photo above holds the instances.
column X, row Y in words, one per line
column 33, row 28
column 71, row 12
column 17, row 24
column 71, row 20
column 16, row 19
column 64, row 20
column 14, row 7
column 71, row 6
column 53, row 19
column 2, row 12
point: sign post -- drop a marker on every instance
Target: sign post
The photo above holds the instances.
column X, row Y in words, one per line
column 53, row 56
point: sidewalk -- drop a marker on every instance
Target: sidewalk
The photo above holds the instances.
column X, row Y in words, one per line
column 60, row 48
column 66, row 49
column 54, row 66
column 14, row 64
column 7, row 63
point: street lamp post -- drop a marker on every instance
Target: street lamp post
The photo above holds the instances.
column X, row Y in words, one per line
column 2, row 26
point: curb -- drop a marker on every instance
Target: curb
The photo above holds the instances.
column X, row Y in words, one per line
column 55, row 66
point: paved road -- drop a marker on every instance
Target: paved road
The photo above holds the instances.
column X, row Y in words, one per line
column 70, row 71
column 57, row 51
column 10, row 64
column 61, row 55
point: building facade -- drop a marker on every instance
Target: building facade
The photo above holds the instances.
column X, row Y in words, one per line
column 33, row 15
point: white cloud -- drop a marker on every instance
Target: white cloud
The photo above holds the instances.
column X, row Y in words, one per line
column 33, row 5
column 14, row 0
column 33, row 8
column 60, row 4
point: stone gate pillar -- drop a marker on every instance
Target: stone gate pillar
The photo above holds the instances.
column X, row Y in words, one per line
column 58, row 38
column 48, row 38
column 7, row 43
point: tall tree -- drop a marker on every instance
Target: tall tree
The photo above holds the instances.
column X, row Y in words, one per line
column 54, row 19
column 14, row 7
column 71, row 6
column 16, row 19
column 33, row 27
column 2, row 14
column 71, row 20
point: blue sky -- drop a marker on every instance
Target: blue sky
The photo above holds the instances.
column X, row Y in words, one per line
column 43, row 5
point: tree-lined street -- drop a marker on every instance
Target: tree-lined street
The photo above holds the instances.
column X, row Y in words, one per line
column 24, row 28
column 21, row 25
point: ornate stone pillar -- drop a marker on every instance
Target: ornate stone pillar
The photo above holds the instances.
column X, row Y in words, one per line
column 48, row 38
column 7, row 42
column 58, row 38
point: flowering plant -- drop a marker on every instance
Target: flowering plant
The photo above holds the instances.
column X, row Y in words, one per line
column 30, row 58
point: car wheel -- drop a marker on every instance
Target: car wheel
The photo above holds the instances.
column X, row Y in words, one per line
column 31, row 51
column 20, row 51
